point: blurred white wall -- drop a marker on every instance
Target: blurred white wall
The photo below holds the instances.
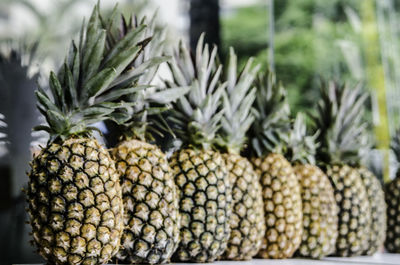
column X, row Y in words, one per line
column 55, row 24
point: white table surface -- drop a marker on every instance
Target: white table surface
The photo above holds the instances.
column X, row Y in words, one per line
column 381, row 259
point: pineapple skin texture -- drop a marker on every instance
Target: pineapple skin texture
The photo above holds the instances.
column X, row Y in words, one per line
column 320, row 221
column 354, row 210
column 247, row 220
column 282, row 206
column 392, row 197
column 151, row 215
column 377, row 202
column 75, row 203
column 205, row 197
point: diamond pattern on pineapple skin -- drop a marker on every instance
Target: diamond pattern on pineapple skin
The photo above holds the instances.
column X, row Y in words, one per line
column 320, row 219
column 392, row 197
column 205, row 204
column 378, row 211
column 150, row 201
column 354, row 210
column 70, row 202
column 247, row 220
column 282, row 205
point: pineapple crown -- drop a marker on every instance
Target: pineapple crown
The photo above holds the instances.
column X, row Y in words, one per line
column 144, row 67
column 237, row 101
column 301, row 147
column 271, row 127
column 340, row 122
column 146, row 99
column 395, row 145
column 151, row 57
column 91, row 78
column 196, row 116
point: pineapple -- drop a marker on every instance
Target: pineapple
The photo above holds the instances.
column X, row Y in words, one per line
column 340, row 125
column 74, row 196
column 320, row 222
column 378, row 218
column 247, row 220
column 151, row 215
column 199, row 171
column 375, row 193
column 280, row 187
column 376, row 197
column 392, row 197
column 150, row 202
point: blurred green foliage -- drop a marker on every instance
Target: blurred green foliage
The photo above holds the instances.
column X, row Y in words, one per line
column 246, row 30
column 345, row 40
column 307, row 42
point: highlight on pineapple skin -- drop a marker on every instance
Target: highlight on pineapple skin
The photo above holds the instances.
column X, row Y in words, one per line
column 75, row 203
column 247, row 220
column 355, row 211
column 151, row 215
column 204, row 203
column 282, row 205
column 320, row 221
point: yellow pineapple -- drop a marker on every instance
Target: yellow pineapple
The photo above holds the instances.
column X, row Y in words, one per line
column 247, row 219
column 74, row 195
column 320, row 222
column 376, row 196
column 280, row 186
column 150, row 202
column 339, row 120
column 151, row 215
column 378, row 218
column 199, row 170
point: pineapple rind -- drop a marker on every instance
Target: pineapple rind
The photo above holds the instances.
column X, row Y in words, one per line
column 247, row 220
column 205, row 198
column 392, row 197
column 150, row 202
column 320, row 221
column 354, row 210
column 282, row 205
column 378, row 211
column 75, row 203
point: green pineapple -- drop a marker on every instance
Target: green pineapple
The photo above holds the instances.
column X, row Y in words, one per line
column 339, row 121
column 199, row 171
column 247, row 220
column 392, row 197
column 74, row 195
column 280, row 187
column 320, row 222
column 151, row 216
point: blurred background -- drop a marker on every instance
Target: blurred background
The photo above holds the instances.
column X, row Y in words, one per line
column 302, row 40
